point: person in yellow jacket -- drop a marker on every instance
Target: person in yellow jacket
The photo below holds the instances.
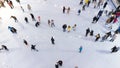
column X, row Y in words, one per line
column 86, row 2
column 69, row 28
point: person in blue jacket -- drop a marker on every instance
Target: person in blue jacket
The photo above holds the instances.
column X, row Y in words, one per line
column 80, row 49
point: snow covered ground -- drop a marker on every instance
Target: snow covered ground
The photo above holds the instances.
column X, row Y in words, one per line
column 66, row 48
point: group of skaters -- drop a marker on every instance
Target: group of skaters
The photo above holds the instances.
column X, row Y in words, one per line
column 59, row 64
column 68, row 28
column 66, row 10
column 104, row 37
column 51, row 23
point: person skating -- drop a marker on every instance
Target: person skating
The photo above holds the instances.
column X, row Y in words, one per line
column 114, row 49
column 79, row 11
column 25, row 42
column 95, row 19
column 33, row 48
column 60, row 62
column 104, row 38
column 52, row 40
column 105, row 4
column 37, row 24
column 26, row 19
column 22, row 8
column 113, row 37
column 15, row 18
column 80, row 49
column 91, row 33
column 83, row 7
column 10, row 4
column 18, row 1
column 81, row 2
column 39, row 18
column 87, row 32
column 68, row 10
column 97, row 37
column 69, row 28
column 88, row 3
column 74, row 27
column 28, row 7
column 32, row 16
column 52, row 23
column 64, row 9
column 4, row 48
column 49, row 22
column 12, row 29
column 100, row 13
column 64, row 27
column 56, row 65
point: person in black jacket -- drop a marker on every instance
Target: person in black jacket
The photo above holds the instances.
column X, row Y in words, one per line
column 33, row 47
column 53, row 40
column 87, row 31
column 37, row 24
column 4, row 48
column 114, row 49
column 64, row 27
column 105, row 4
column 91, row 33
column 60, row 62
column 32, row 16
column 25, row 42
column 26, row 19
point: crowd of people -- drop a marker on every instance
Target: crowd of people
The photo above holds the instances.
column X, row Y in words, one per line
column 112, row 18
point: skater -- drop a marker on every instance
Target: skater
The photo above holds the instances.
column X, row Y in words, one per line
column 56, row 65
column 64, row 27
column 68, row 10
column 74, row 27
column 105, row 4
column 81, row 2
column 79, row 11
column 100, row 13
column 26, row 19
column 28, row 7
column 108, row 34
column 37, row 24
column 104, row 38
column 49, row 22
column 113, row 37
column 15, row 18
column 95, row 19
column 52, row 23
column 83, row 7
column 10, row 4
column 69, row 28
column 80, row 49
column 22, row 8
column 4, row 48
column 97, row 37
column 64, row 9
column 39, row 18
column 88, row 3
column 87, row 31
column 114, row 49
column 52, row 40
column 60, row 62
column 91, row 33
column 12, row 29
column 25, row 42
column 32, row 16
column 33, row 48
column 18, row 1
